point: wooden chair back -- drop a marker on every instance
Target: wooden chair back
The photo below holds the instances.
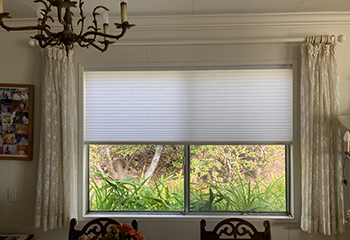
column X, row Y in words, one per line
column 234, row 228
column 98, row 226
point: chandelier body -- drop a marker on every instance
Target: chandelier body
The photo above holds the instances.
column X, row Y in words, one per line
column 67, row 36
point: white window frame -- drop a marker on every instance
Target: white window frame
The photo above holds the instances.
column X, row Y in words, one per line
column 83, row 183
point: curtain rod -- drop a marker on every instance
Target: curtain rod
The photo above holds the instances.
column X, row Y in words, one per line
column 340, row 38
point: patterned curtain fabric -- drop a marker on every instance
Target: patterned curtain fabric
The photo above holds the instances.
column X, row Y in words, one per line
column 56, row 199
column 321, row 155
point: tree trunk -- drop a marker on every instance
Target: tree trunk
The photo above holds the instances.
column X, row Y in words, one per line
column 111, row 169
column 121, row 171
column 155, row 160
column 115, row 168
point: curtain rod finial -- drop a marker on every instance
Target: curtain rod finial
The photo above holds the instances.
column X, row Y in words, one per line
column 31, row 42
column 341, row 38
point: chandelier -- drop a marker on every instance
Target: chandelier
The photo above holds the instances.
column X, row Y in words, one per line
column 67, row 37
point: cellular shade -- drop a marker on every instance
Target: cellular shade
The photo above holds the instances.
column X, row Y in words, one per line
column 192, row 106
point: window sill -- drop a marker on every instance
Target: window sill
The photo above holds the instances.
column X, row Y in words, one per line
column 189, row 217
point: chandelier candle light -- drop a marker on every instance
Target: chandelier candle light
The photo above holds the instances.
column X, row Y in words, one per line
column 347, row 153
column 67, row 36
column 347, row 142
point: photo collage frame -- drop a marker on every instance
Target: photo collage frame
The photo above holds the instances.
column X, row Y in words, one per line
column 16, row 122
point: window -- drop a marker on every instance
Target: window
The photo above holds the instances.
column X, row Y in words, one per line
column 189, row 141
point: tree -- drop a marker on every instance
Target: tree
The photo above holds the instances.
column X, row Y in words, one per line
column 122, row 161
column 155, row 161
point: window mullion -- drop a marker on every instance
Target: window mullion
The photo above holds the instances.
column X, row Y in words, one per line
column 187, row 178
column 288, row 182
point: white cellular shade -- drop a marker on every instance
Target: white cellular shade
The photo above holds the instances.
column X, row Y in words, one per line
column 192, row 106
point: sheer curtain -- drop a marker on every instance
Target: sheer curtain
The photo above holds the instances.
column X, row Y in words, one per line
column 56, row 199
column 322, row 190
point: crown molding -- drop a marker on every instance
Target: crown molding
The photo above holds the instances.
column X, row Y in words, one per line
column 244, row 20
column 149, row 23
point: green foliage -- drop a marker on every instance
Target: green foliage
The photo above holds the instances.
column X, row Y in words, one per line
column 216, row 162
column 101, row 197
column 223, row 178
column 241, row 195
column 130, row 194
column 167, row 194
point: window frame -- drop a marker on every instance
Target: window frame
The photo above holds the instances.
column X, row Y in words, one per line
column 187, row 186
column 291, row 150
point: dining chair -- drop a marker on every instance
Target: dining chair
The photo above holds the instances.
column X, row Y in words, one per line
column 97, row 226
column 234, row 228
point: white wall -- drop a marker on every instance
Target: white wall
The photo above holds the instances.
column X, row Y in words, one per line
column 21, row 64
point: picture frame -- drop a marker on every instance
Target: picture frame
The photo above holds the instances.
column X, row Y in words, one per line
column 16, row 121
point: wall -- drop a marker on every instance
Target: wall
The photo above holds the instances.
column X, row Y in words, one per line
column 21, row 64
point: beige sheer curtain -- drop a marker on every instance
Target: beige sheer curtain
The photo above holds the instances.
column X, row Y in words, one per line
column 322, row 190
column 56, row 198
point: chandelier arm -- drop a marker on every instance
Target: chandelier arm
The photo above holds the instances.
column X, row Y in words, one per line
column 45, row 14
column 95, row 14
column 106, row 44
column 116, row 37
column 45, row 11
column 94, row 21
column 85, row 40
column 82, row 18
column 84, row 45
column 51, row 40
column 91, row 42
column 7, row 28
column 46, row 43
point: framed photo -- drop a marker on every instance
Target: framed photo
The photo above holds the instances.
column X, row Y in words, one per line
column 16, row 121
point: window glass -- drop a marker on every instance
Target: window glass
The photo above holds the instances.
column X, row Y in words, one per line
column 238, row 178
column 136, row 178
column 248, row 178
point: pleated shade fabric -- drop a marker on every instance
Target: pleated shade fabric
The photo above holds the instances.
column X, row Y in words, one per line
column 246, row 106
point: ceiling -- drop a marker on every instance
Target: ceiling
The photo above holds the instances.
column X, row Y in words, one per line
column 26, row 8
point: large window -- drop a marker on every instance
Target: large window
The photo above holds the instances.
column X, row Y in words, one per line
column 188, row 141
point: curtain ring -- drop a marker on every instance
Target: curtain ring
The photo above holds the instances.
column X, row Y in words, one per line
column 317, row 39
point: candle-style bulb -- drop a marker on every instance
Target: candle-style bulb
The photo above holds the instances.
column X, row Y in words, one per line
column 347, row 136
column 105, row 17
column 123, row 11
